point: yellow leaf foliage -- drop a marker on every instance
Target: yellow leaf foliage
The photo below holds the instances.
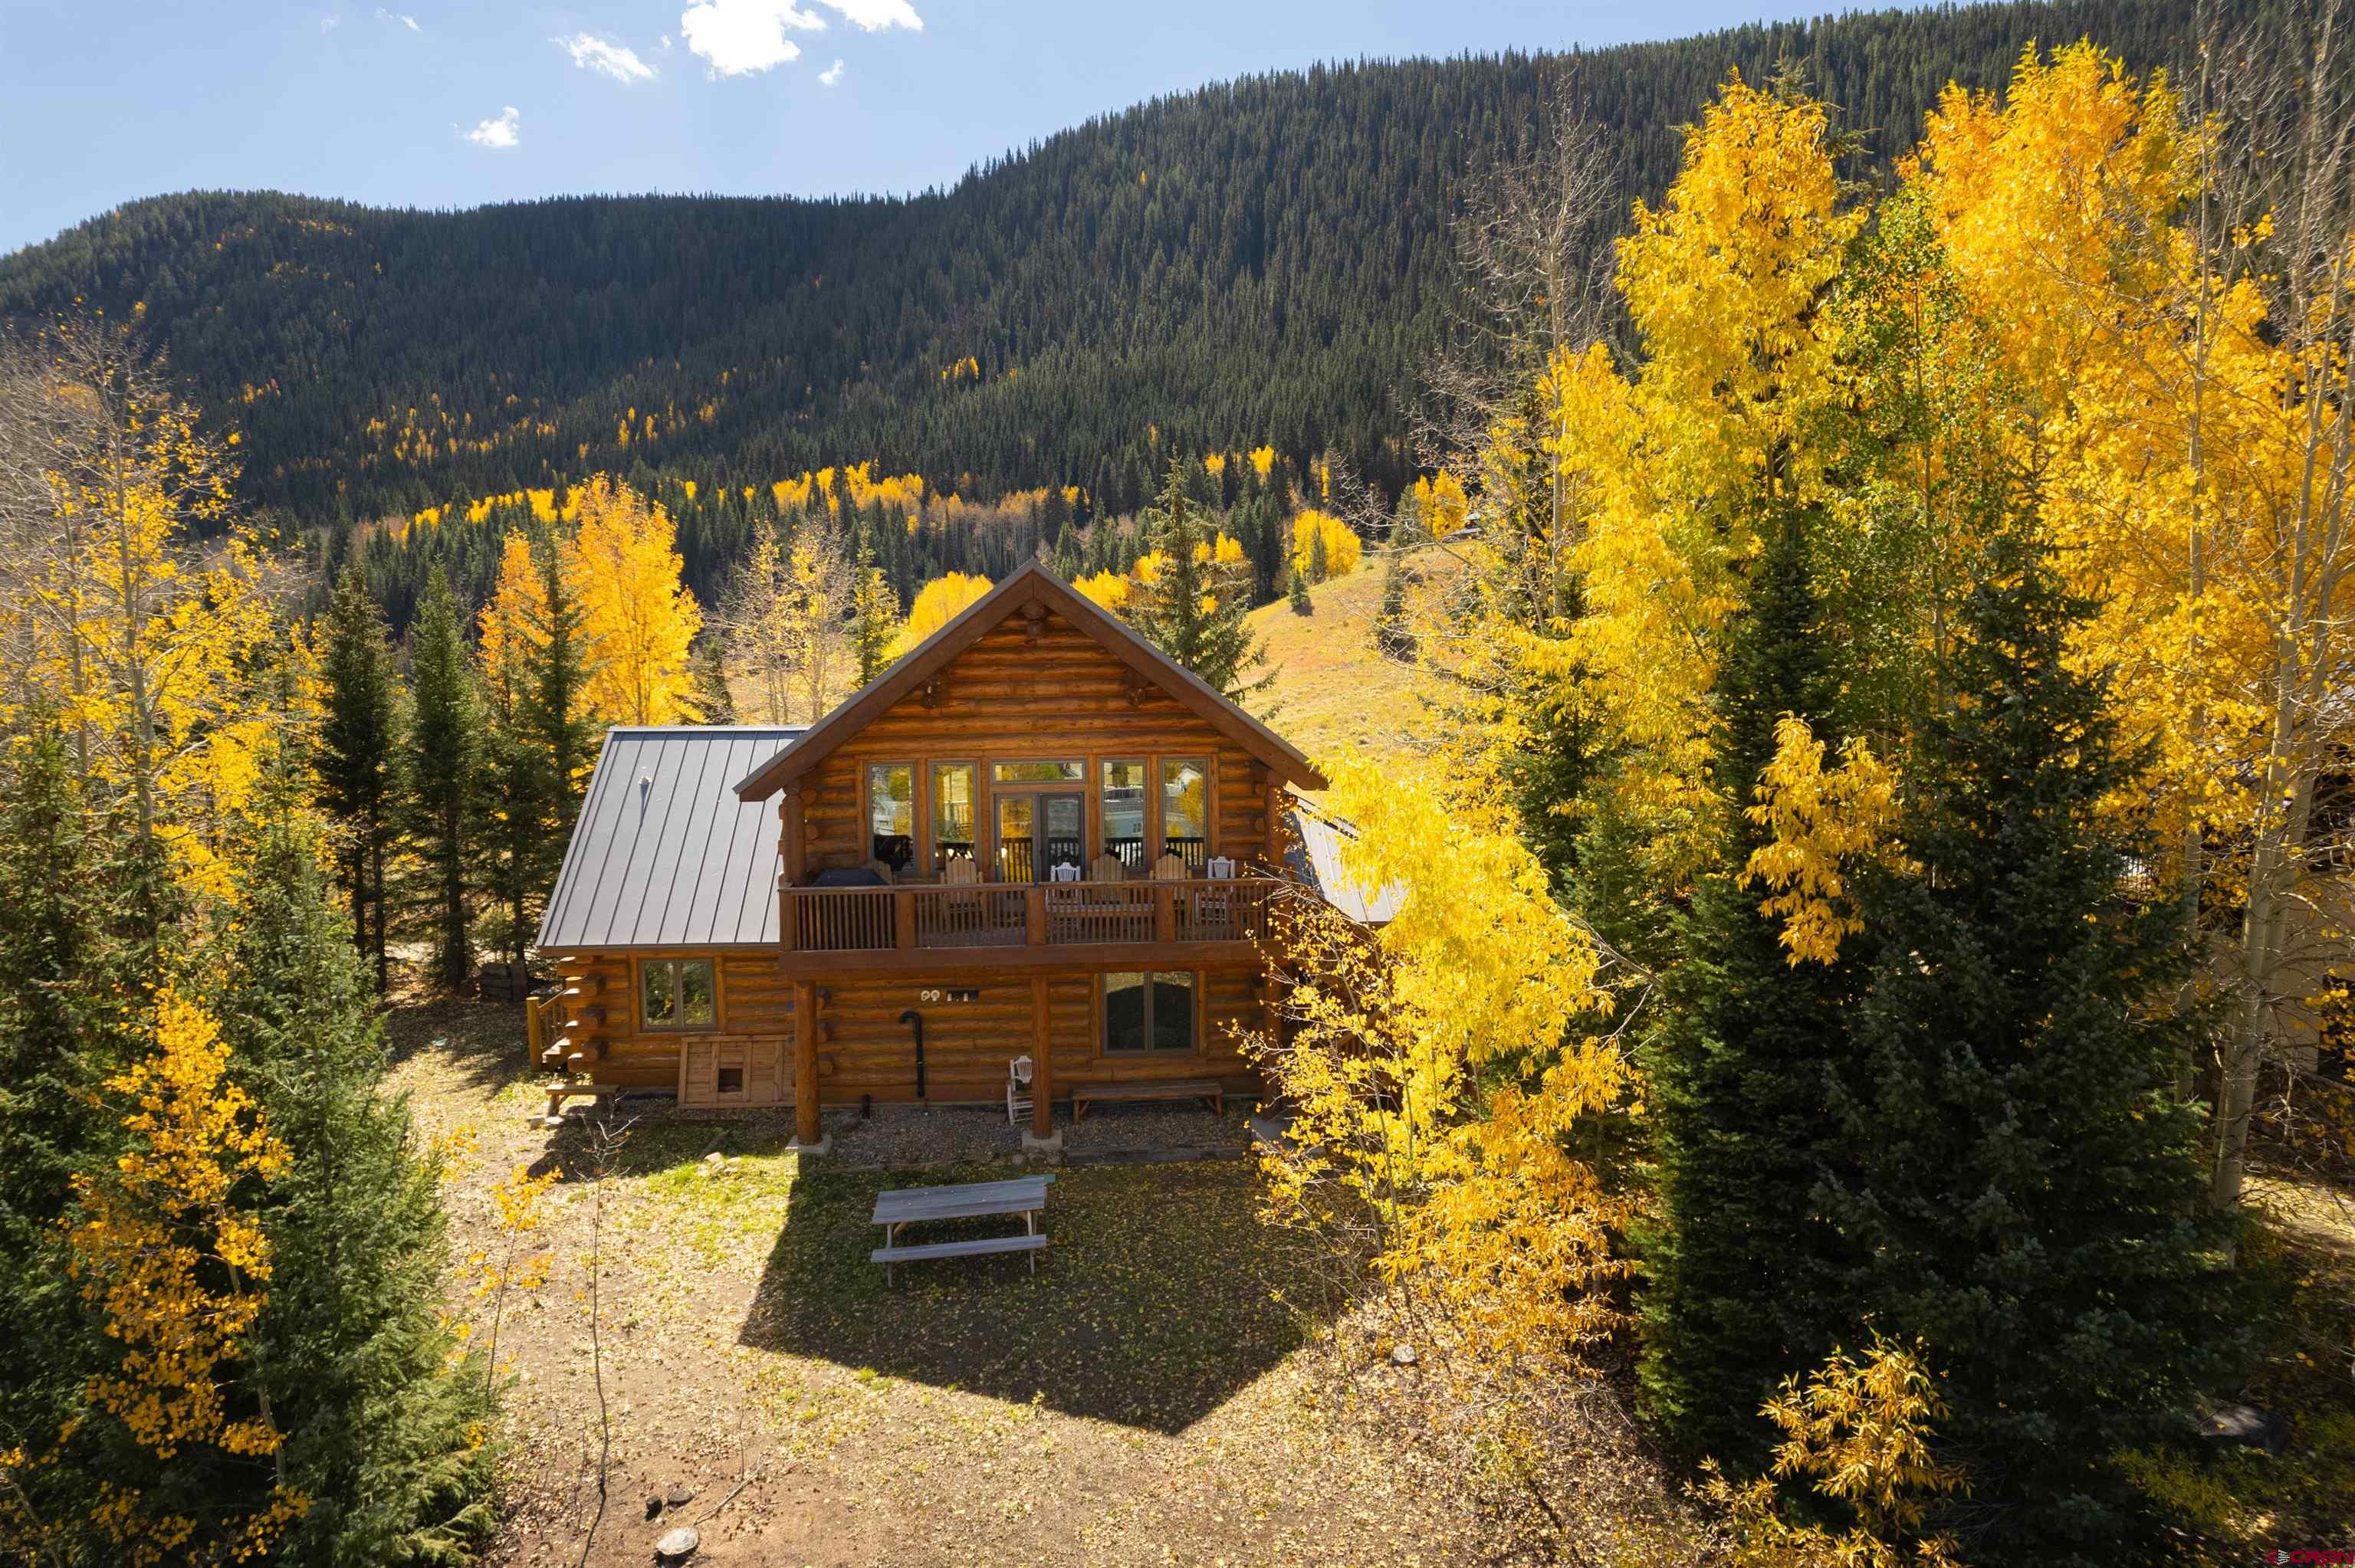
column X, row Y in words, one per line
column 165, row 1249
column 1437, row 1071
column 1821, row 821
column 937, row 603
column 637, row 620
column 1342, row 547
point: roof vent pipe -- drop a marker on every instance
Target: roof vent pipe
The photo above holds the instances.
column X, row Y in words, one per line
column 646, row 789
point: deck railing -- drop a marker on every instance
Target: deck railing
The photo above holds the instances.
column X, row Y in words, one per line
column 1019, row 915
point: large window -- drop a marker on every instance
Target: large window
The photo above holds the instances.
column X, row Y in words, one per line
column 1186, row 810
column 1149, row 1013
column 891, row 815
column 1040, row 772
column 676, row 994
column 954, row 822
column 1124, row 784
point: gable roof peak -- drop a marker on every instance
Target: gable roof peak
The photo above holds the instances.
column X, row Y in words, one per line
column 1030, row 587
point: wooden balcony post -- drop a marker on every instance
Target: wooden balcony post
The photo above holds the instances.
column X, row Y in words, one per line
column 805, row 1090
column 1042, row 1056
column 903, row 922
column 1034, row 916
column 1165, row 912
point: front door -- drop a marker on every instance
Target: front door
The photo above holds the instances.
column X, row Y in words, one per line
column 1036, row 832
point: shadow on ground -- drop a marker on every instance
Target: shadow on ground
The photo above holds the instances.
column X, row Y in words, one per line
column 1153, row 1305
column 483, row 1042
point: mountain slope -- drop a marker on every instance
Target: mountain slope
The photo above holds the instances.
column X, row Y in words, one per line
column 1264, row 260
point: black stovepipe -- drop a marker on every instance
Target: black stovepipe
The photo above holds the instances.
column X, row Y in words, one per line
column 913, row 1016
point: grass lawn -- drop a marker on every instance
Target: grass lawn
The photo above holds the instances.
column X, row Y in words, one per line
column 1142, row 1400
column 1331, row 690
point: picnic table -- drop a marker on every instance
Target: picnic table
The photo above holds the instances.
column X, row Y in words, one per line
column 1024, row 1195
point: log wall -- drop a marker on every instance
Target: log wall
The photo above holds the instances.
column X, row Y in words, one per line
column 1008, row 699
column 864, row 1048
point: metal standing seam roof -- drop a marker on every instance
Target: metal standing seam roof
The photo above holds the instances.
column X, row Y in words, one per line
column 664, row 854
column 1320, row 841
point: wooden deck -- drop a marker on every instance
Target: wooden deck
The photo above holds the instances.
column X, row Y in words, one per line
column 940, row 926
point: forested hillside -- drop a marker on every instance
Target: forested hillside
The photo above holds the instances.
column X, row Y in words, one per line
column 1261, row 262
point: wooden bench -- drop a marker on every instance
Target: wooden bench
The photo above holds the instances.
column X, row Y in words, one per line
column 1148, row 1089
column 562, row 1090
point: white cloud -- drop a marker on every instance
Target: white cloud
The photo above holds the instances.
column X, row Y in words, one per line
column 830, row 75
column 874, row 16
column 743, row 36
column 666, row 43
column 507, row 131
column 329, row 23
column 592, row 53
column 408, row 22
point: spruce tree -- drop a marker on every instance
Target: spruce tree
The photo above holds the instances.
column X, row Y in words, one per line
column 443, row 770
column 713, row 698
column 381, row 1431
column 1735, row 1258
column 1300, row 603
column 1195, row 609
column 1393, row 637
column 2021, row 1187
column 357, row 755
column 874, row 616
column 554, row 709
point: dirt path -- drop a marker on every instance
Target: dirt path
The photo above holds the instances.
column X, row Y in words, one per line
column 1138, row 1402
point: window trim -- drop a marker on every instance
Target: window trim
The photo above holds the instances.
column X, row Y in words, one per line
column 919, row 834
column 976, row 800
column 1200, row 979
column 1066, row 782
column 647, row 1026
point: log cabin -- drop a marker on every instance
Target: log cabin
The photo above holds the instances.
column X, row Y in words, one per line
column 1033, row 836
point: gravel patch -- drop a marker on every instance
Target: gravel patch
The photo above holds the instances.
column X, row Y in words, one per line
column 908, row 1138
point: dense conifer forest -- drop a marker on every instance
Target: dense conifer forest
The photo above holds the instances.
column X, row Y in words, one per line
column 1261, row 262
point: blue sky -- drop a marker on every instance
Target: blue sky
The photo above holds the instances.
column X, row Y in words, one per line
column 438, row 103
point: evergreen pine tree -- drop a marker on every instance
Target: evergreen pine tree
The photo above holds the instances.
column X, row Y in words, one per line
column 1393, row 637
column 874, row 618
column 357, row 755
column 555, row 711
column 1300, row 603
column 1735, row 1255
column 713, row 698
column 1319, row 561
column 382, row 1434
column 1195, row 609
column 444, row 761
column 67, row 966
column 2021, row 1190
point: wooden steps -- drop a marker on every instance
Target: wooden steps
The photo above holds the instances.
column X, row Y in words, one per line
column 563, row 1089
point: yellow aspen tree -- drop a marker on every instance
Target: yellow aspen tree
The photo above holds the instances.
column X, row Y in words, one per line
column 1341, row 547
column 1438, row 1071
column 1726, row 282
column 145, row 637
column 2182, row 356
column 937, row 602
column 167, row 1249
column 637, row 618
column 757, row 615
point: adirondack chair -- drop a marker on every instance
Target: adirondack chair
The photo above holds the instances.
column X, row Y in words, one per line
column 1169, row 868
column 1222, row 867
column 1108, row 867
column 1017, row 1089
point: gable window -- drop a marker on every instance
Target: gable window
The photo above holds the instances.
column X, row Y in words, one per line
column 1186, row 810
column 891, row 815
column 953, row 814
column 1122, row 809
column 677, row 993
column 1149, row 1013
column 1038, row 772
